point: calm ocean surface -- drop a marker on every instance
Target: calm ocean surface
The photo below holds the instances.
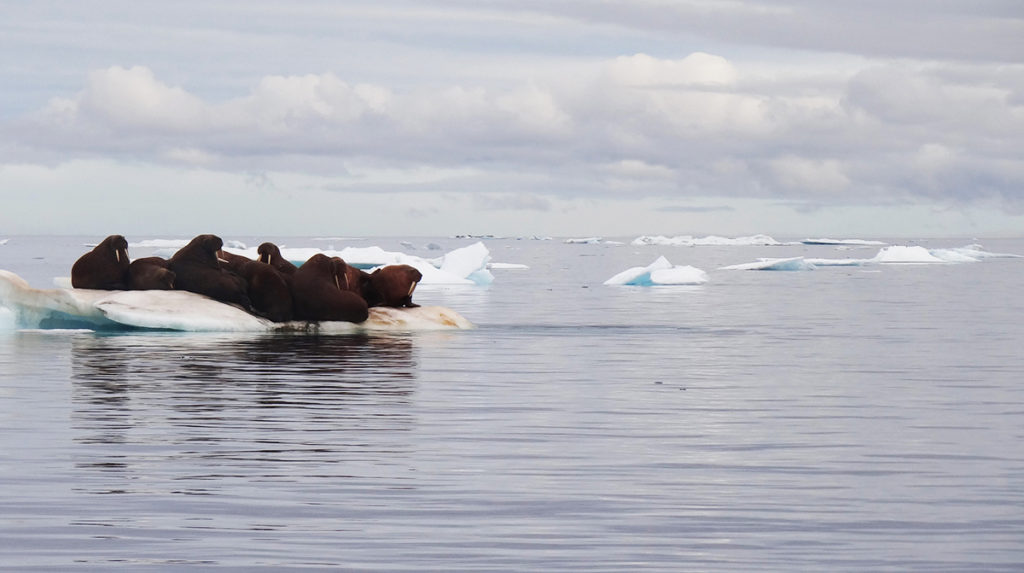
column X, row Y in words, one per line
column 840, row 419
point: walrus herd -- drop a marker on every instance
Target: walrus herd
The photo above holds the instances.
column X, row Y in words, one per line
column 322, row 288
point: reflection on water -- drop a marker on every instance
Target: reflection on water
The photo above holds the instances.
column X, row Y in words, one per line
column 197, row 408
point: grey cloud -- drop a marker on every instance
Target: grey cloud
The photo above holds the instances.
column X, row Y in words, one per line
column 325, row 88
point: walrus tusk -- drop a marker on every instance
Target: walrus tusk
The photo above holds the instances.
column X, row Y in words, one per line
column 412, row 287
column 117, row 255
column 336, row 282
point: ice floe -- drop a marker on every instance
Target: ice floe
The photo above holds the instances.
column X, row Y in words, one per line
column 660, row 272
column 765, row 264
column 159, row 244
column 895, row 254
column 22, row 306
column 843, row 242
column 710, row 240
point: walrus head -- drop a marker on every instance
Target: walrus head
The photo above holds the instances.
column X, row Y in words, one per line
column 267, row 252
column 119, row 245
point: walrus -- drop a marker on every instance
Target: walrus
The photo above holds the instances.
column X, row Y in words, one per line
column 352, row 279
column 317, row 293
column 105, row 267
column 268, row 289
column 150, row 273
column 197, row 269
column 392, row 286
column 271, row 255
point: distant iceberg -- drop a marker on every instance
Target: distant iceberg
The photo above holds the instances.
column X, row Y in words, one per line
column 660, row 272
column 908, row 254
column 4, row 241
column 843, row 242
column 895, row 254
column 711, row 240
column 970, row 253
column 790, row 264
column 584, row 241
column 159, row 244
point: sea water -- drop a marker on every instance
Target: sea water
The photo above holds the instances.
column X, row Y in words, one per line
column 856, row 418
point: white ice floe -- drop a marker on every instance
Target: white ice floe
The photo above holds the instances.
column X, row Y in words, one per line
column 159, row 244
column 508, row 266
column 26, row 307
column 843, row 242
column 711, row 240
column 584, row 241
column 765, row 264
column 907, row 254
column 660, row 272
column 896, row 254
column 4, row 241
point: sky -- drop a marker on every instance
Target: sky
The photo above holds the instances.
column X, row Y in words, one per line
column 795, row 118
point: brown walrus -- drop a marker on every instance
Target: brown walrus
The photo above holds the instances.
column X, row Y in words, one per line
column 150, row 273
column 268, row 289
column 197, row 269
column 392, row 286
column 318, row 295
column 271, row 255
column 105, row 267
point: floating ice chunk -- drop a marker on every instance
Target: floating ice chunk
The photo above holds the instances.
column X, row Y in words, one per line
column 679, row 275
column 969, row 254
column 469, row 263
column 584, row 241
column 7, row 321
column 711, row 240
column 660, row 272
column 839, row 262
column 507, row 266
column 790, row 264
column 638, row 275
column 26, row 307
column 159, row 244
column 4, row 241
column 906, row 254
column 843, row 242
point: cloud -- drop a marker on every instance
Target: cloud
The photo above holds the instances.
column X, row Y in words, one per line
column 638, row 125
column 695, row 70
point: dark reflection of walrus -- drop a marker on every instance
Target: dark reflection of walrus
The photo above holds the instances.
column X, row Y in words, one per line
column 318, row 295
column 197, row 269
column 105, row 267
column 268, row 289
column 150, row 273
column 271, row 255
column 392, row 286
